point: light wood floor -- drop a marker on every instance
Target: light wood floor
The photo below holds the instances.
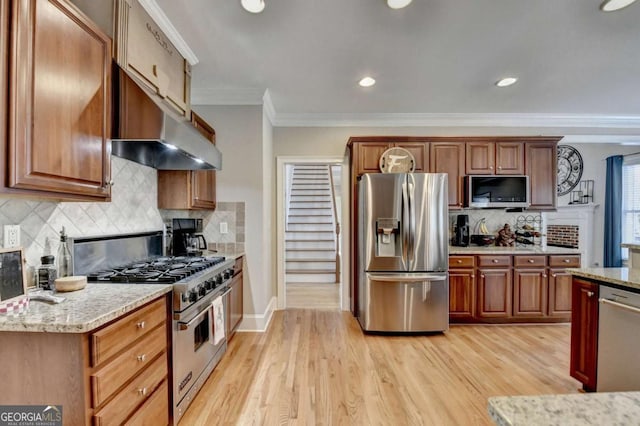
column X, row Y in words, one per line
column 316, row 367
column 313, row 296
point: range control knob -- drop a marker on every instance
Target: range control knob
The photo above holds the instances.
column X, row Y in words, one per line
column 193, row 295
column 202, row 290
column 210, row 284
column 227, row 274
column 185, row 297
column 219, row 279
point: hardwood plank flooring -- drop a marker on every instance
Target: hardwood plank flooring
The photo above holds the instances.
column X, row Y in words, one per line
column 313, row 295
column 316, row 367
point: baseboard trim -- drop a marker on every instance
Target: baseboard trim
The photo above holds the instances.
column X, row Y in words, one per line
column 258, row 323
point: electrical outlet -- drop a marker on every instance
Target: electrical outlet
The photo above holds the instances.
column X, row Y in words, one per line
column 11, row 236
column 224, row 228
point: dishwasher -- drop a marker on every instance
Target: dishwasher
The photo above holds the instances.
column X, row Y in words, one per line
column 618, row 343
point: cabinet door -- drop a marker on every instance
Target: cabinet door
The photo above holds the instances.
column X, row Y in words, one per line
column 494, row 293
column 481, row 158
column 60, row 92
column 559, row 293
column 509, row 158
column 584, row 332
column 541, row 166
column 203, row 187
column 368, row 156
column 420, row 152
column 462, row 289
column 529, row 293
column 203, row 127
column 448, row 157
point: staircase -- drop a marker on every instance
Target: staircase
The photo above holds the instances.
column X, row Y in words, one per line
column 310, row 238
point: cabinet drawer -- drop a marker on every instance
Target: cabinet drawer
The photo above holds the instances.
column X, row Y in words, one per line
column 565, row 261
column 155, row 411
column 112, row 339
column 462, row 261
column 529, row 261
column 126, row 365
column 497, row 261
column 135, row 393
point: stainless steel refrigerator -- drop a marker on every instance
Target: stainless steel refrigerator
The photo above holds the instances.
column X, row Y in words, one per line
column 403, row 233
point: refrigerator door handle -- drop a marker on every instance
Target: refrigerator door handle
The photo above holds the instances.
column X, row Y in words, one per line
column 407, row 277
column 405, row 225
column 412, row 220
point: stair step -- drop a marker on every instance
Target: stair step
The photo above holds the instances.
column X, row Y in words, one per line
column 328, row 278
column 310, row 227
column 310, row 244
column 310, row 215
column 309, row 236
column 310, row 255
column 303, row 266
column 299, row 198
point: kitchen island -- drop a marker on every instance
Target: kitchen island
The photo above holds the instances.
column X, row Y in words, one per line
column 615, row 408
column 102, row 354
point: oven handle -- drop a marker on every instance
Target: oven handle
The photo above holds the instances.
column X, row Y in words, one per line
column 186, row 325
column 227, row 291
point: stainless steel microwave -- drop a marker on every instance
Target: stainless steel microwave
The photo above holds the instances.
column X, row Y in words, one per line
column 497, row 191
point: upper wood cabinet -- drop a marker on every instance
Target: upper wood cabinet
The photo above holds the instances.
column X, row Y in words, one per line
column 146, row 53
column 189, row 189
column 542, row 167
column 448, row 157
column 366, row 152
column 500, row 158
column 59, row 102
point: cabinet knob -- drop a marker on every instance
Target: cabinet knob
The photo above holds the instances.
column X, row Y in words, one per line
column 142, row 391
column 142, row 357
column 499, row 167
column 590, row 294
column 473, row 276
column 140, row 324
column 459, row 261
column 481, row 275
column 544, row 275
column 553, row 275
column 530, row 260
column 566, row 260
column 494, row 260
column 490, row 167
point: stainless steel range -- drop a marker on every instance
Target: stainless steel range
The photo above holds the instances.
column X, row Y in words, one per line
column 199, row 287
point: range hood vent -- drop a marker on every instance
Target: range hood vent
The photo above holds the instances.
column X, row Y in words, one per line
column 145, row 132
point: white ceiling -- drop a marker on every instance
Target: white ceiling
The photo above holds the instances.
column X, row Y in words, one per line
column 436, row 59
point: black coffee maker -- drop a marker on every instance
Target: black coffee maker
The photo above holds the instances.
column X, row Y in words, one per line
column 187, row 237
column 461, row 231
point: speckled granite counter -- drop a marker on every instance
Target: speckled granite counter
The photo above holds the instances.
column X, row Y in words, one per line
column 624, row 277
column 511, row 250
column 611, row 409
column 83, row 310
column 630, row 246
column 227, row 255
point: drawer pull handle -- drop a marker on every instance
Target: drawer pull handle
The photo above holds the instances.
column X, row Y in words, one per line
column 530, row 260
column 590, row 294
column 140, row 324
column 553, row 275
column 142, row 391
column 482, row 276
column 473, row 276
column 142, row 357
column 566, row 261
column 459, row 261
column 544, row 275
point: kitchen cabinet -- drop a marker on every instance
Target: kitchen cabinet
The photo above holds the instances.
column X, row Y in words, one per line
column 449, row 157
column 366, row 152
column 494, row 293
column 530, row 286
column 235, row 300
column 500, row 158
column 115, row 374
column 462, row 284
column 148, row 55
column 541, row 164
column 584, row 332
column 189, row 189
column 560, row 285
column 58, row 130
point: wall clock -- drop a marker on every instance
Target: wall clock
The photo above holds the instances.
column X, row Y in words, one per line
column 569, row 168
column 397, row 160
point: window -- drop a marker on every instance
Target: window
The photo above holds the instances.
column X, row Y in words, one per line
column 630, row 201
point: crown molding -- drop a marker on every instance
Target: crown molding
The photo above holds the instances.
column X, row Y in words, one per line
column 169, row 30
column 268, row 107
column 227, row 96
column 457, row 120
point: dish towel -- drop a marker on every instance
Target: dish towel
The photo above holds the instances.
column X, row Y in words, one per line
column 218, row 320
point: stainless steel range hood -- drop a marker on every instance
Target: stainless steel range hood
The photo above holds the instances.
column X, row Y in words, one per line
column 145, row 131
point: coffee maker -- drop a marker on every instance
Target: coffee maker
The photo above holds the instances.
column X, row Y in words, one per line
column 187, row 239
column 461, row 231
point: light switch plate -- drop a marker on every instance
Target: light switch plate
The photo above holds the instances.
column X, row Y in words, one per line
column 11, row 236
column 224, row 228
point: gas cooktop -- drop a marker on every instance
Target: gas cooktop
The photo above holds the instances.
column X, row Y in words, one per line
column 161, row 270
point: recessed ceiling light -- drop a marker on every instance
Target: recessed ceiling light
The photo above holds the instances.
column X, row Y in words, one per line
column 398, row 4
column 253, row 6
column 613, row 5
column 367, row 82
column 507, row 81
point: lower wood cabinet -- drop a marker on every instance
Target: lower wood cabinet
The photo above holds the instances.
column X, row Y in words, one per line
column 529, row 291
column 584, row 332
column 117, row 374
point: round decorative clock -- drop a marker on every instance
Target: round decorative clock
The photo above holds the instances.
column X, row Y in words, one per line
column 569, row 168
column 397, row 160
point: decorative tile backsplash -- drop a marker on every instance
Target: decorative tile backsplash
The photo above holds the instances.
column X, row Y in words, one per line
column 133, row 208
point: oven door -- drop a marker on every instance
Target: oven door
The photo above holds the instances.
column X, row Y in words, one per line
column 193, row 348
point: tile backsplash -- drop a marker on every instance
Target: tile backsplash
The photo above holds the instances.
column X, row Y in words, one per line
column 132, row 209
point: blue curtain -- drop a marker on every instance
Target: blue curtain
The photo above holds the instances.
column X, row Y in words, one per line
column 613, row 213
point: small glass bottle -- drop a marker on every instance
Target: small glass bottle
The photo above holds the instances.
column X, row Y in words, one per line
column 65, row 261
column 47, row 273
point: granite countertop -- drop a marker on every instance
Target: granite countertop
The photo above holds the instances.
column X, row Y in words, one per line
column 226, row 254
column 83, row 310
column 511, row 250
column 631, row 246
column 612, row 409
column 624, row 277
